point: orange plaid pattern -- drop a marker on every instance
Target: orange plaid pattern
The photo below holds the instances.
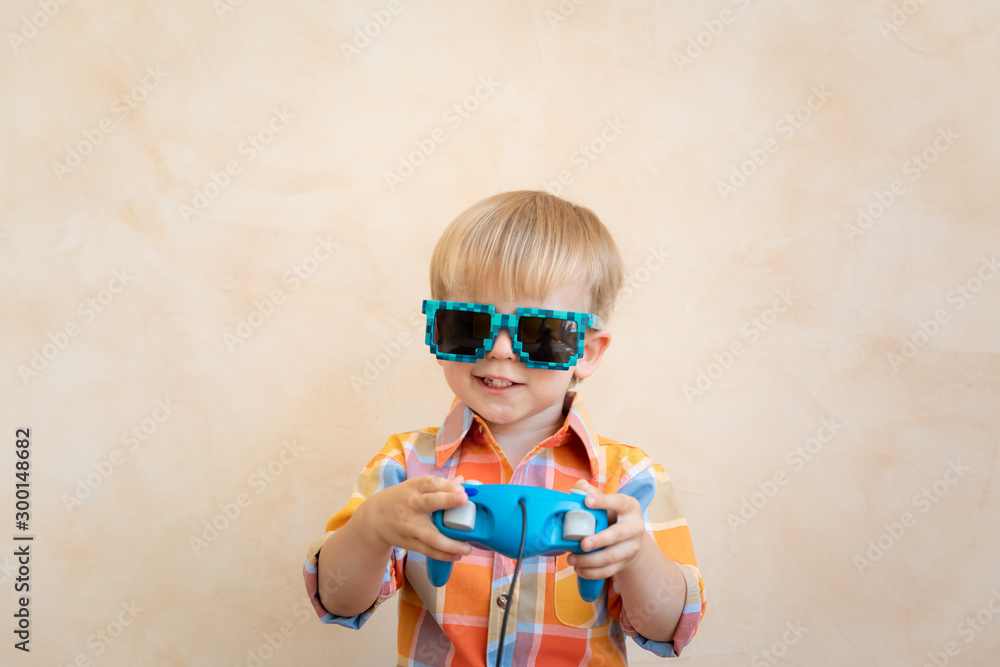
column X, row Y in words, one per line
column 459, row 624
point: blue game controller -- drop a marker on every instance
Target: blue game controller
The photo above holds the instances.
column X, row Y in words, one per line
column 492, row 519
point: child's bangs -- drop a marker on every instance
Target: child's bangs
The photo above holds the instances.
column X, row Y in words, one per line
column 513, row 273
column 519, row 247
column 512, row 259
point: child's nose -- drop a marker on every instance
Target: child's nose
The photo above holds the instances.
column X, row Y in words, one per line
column 503, row 347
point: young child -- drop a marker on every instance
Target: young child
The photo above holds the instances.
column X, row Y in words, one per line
column 514, row 421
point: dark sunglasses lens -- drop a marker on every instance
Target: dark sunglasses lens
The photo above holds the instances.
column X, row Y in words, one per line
column 460, row 332
column 547, row 339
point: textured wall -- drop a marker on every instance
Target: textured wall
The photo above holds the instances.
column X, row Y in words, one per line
column 215, row 226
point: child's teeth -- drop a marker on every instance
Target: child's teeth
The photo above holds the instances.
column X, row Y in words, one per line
column 497, row 384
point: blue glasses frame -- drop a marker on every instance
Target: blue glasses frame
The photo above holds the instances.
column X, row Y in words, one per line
column 500, row 321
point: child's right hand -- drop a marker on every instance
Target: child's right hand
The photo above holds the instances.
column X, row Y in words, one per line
column 400, row 516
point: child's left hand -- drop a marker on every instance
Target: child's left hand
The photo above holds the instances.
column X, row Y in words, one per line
column 622, row 540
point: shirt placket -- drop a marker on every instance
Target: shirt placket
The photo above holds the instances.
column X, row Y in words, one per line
column 503, row 567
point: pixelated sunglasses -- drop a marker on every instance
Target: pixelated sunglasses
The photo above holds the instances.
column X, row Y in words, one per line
column 552, row 339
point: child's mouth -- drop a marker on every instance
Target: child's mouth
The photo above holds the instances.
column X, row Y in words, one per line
column 497, row 383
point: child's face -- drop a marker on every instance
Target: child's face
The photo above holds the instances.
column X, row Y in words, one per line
column 504, row 391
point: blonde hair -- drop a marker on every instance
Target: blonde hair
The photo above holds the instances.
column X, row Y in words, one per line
column 525, row 244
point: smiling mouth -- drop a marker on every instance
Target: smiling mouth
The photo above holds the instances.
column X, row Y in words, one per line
column 497, row 383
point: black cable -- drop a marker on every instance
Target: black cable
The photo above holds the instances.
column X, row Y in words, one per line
column 513, row 581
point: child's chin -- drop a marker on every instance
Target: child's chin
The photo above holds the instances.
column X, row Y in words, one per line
column 495, row 414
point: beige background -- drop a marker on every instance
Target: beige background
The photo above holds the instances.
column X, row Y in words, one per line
column 157, row 99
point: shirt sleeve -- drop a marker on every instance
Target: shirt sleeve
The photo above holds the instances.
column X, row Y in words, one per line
column 647, row 482
column 383, row 471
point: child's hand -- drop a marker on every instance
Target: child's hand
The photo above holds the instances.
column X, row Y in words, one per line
column 400, row 516
column 622, row 539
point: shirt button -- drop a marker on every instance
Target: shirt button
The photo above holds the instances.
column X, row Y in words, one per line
column 502, row 600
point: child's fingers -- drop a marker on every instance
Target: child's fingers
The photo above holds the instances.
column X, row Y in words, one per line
column 616, row 533
column 607, row 556
column 436, row 554
column 619, row 506
column 441, row 500
column 428, row 485
column 602, row 564
column 598, row 573
column 619, row 503
column 434, row 493
column 433, row 544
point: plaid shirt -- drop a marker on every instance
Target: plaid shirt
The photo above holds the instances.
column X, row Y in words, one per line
column 550, row 625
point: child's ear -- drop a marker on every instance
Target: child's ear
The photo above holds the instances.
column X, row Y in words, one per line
column 594, row 347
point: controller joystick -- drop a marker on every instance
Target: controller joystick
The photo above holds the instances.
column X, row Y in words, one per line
column 462, row 517
column 578, row 524
column 492, row 519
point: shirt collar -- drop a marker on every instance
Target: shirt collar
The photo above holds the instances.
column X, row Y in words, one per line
column 461, row 419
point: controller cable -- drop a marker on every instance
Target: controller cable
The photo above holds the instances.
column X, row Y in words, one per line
column 513, row 581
